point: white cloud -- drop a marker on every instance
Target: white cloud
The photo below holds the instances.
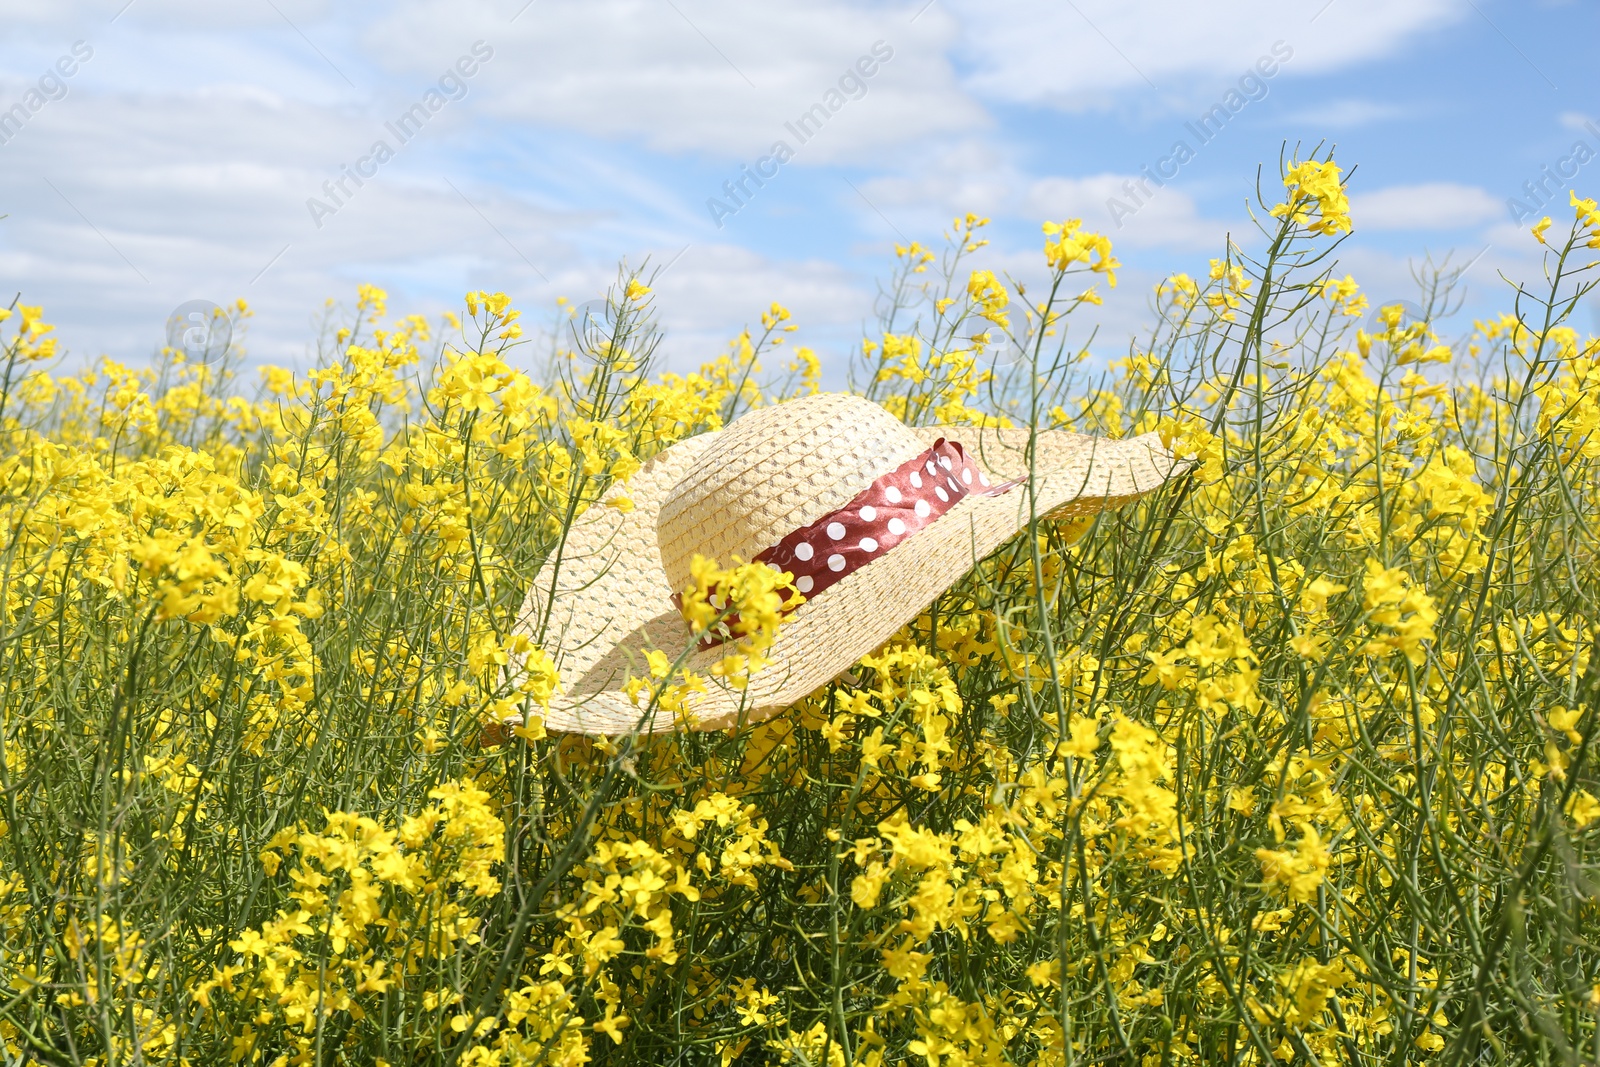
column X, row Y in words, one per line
column 968, row 175
column 1481, row 292
column 716, row 289
column 974, row 177
column 94, row 15
column 201, row 192
column 1345, row 114
column 1073, row 55
column 700, row 75
column 1506, row 234
column 192, row 140
column 1140, row 215
column 192, row 153
column 1429, row 206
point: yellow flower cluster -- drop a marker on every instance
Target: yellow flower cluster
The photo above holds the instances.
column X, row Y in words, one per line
column 371, row 909
column 1315, row 185
column 1291, row 762
column 1066, row 243
column 739, row 607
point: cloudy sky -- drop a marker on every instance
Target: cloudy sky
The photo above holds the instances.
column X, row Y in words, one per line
column 202, row 149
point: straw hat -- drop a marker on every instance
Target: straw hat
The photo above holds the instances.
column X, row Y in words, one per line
column 875, row 518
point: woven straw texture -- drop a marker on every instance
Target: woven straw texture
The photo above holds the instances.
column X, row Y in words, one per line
column 740, row 490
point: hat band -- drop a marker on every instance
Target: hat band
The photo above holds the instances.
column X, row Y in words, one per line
column 893, row 508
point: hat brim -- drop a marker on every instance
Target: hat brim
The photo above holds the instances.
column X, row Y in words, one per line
column 611, row 601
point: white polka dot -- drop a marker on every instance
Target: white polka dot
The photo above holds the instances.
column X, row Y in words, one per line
column 804, row 583
column 942, row 494
column 869, row 513
column 868, row 545
column 802, row 551
column 944, row 461
column 931, row 468
column 775, row 567
column 836, row 530
column 893, row 494
column 836, row 562
column 983, row 479
column 897, row 527
column 951, row 482
column 916, row 479
column 923, row 509
column 966, row 475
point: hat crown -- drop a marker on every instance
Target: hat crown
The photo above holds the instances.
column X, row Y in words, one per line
column 773, row 471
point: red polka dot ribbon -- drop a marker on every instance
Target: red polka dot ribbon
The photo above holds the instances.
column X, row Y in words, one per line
column 890, row 510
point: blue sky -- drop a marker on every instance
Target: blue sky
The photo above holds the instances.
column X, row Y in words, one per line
column 179, row 162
